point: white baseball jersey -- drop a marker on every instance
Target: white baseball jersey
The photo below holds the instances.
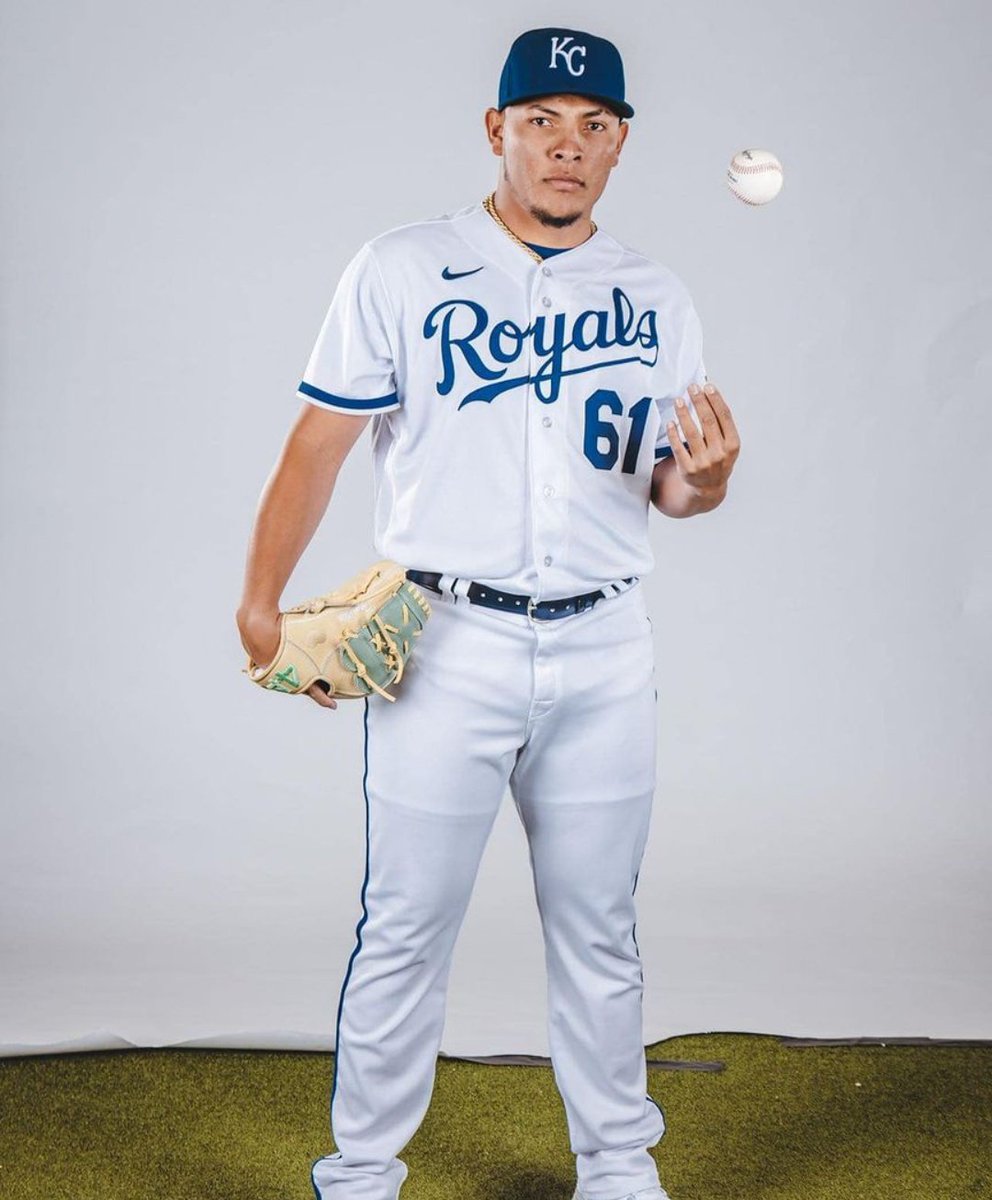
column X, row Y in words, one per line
column 520, row 406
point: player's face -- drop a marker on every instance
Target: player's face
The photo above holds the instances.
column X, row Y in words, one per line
column 570, row 136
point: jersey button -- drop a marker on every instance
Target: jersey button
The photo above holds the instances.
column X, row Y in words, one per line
column 547, row 560
column 546, row 421
column 549, row 490
column 546, row 301
column 545, row 270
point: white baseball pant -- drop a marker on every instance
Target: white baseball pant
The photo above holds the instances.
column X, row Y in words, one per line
column 563, row 711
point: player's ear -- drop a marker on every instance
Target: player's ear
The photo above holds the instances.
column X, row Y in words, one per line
column 624, row 130
column 494, row 119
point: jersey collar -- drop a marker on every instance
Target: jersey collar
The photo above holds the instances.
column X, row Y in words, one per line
column 594, row 256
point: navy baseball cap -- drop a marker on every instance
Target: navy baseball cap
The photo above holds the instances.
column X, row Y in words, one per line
column 552, row 62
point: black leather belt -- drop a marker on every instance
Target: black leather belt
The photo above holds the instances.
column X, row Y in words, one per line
column 488, row 597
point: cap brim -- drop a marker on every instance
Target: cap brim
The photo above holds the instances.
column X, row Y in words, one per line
column 620, row 107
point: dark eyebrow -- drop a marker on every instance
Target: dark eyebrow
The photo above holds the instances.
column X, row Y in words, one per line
column 593, row 112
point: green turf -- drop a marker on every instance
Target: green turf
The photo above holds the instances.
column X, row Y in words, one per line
column 776, row 1122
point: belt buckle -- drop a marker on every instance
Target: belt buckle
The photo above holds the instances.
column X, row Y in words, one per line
column 531, row 605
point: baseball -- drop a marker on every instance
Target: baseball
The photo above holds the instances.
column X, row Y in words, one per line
column 755, row 176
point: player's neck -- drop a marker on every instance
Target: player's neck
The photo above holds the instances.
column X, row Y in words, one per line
column 529, row 229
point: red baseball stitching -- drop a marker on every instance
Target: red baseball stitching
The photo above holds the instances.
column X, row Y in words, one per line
column 747, row 169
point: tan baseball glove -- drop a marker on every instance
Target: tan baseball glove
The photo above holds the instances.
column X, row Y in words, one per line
column 356, row 639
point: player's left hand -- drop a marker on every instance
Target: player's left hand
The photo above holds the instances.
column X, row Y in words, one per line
column 707, row 463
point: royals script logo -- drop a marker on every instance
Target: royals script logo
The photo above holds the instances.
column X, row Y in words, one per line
column 490, row 351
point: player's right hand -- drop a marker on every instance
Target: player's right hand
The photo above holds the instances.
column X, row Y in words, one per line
column 261, row 633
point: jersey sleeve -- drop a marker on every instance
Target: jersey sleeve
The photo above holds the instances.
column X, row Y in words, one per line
column 690, row 368
column 352, row 365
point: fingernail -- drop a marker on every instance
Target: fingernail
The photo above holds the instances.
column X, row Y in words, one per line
column 710, row 388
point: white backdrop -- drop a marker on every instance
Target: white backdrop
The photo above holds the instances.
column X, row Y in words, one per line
column 182, row 854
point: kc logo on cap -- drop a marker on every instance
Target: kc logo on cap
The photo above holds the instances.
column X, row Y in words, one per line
column 544, row 62
column 558, row 45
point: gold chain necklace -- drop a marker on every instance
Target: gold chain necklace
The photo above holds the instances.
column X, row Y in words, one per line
column 489, row 204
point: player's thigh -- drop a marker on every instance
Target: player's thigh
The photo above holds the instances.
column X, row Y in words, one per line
column 598, row 741
column 448, row 742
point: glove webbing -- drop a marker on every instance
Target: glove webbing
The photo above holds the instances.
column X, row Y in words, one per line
column 385, row 645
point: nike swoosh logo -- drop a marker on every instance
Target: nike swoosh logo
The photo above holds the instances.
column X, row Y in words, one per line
column 447, row 273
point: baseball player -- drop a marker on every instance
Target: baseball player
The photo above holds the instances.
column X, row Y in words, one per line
column 534, row 387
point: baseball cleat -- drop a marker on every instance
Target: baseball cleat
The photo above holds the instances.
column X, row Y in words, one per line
column 651, row 1193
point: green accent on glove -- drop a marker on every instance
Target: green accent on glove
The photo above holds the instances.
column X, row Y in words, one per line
column 391, row 614
column 277, row 682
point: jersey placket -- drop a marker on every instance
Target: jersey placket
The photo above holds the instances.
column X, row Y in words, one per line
column 547, row 428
